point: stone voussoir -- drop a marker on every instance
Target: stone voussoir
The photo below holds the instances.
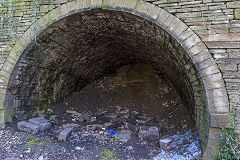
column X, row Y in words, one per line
column 147, row 10
column 220, row 120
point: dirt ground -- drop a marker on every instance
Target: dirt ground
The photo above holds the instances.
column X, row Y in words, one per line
column 149, row 98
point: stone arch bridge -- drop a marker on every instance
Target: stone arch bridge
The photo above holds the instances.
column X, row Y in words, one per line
column 195, row 42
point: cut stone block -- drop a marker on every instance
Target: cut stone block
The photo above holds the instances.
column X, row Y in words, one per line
column 123, row 136
column 148, row 132
column 9, row 158
column 165, row 143
column 41, row 122
column 28, row 127
column 63, row 136
column 134, row 128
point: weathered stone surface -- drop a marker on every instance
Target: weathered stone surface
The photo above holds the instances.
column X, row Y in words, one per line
column 28, row 127
column 220, row 120
column 148, row 132
column 41, row 122
column 123, row 135
column 237, row 13
column 63, row 136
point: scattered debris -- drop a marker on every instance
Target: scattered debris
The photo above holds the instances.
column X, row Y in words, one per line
column 111, row 131
column 183, row 147
column 79, row 148
column 165, row 143
column 63, row 136
column 148, row 132
column 28, row 127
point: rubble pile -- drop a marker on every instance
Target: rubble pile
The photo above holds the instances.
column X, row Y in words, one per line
column 120, row 125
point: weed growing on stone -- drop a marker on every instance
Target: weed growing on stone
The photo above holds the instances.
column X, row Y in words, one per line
column 228, row 147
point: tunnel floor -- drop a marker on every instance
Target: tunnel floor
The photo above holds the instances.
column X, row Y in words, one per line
column 132, row 99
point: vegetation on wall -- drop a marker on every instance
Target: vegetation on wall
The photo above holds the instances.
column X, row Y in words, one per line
column 229, row 148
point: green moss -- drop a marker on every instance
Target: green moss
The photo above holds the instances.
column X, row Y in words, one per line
column 107, row 154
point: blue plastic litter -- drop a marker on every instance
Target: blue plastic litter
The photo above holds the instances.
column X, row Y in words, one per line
column 111, row 131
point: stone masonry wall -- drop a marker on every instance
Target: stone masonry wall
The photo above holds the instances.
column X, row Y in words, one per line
column 217, row 22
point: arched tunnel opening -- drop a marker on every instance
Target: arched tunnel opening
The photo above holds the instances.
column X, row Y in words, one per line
column 94, row 62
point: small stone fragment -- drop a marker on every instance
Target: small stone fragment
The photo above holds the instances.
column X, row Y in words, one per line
column 40, row 158
column 83, row 118
column 28, row 127
column 124, row 111
column 79, row 148
column 166, row 90
column 41, row 122
column 129, row 148
column 148, row 132
column 125, row 115
column 165, row 143
column 70, row 125
column 94, row 127
column 112, row 126
column 72, row 112
column 63, row 136
column 123, row 135
column 132, row 127
column 93, row 119
column 112, row 115
column 119, row 108
column 9, row 158
column 142, row 119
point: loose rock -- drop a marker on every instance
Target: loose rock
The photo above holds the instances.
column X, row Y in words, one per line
column 63, row 136
column 165, row 143
column 9, row 158
column 79, row 148
column 148, row 132
column 28, row 127
column 123, row 135
column 41, row 122
column 134, row 128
